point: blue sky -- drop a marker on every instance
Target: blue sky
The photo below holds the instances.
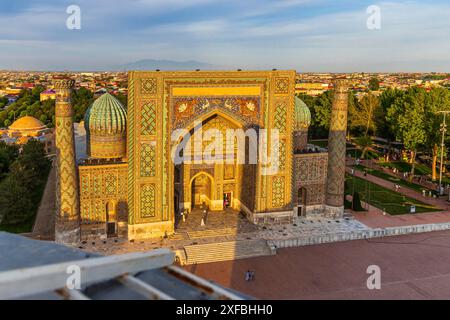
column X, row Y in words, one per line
column 307, row 35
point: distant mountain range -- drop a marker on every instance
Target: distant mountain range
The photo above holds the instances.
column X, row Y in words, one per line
column 152, row 64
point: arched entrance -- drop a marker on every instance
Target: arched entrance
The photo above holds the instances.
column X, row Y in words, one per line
column 201, row 189
column 111, row 219
column 223, row 187
column 301, row 202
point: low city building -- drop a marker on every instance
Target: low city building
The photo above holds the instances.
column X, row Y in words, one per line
column 48, row 94
column 312, row 89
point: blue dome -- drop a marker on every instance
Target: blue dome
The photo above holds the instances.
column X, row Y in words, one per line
column 302, row 115
column 106, row 116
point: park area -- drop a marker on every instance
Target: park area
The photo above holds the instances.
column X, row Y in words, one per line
column 390, row 201
column 388, row 184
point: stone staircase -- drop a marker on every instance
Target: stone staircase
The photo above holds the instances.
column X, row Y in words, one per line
column 226, row 251
column 212, row 233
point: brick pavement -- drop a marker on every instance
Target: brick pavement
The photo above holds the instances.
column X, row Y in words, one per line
column 412, row 267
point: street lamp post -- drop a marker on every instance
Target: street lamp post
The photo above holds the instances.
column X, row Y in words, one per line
column 443, row 130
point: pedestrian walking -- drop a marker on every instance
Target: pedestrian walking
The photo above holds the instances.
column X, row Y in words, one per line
column 252, row 275
column 247, row 275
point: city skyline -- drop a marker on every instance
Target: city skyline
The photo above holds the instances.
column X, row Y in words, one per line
column 309, row 36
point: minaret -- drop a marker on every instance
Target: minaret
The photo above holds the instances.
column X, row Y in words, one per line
column 336, row 151
column 67, row 227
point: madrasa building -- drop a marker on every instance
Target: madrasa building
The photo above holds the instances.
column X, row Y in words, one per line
column 129, row 186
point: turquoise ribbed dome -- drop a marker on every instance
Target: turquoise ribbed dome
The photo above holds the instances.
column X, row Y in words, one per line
column 106, row 116
column 302, row 115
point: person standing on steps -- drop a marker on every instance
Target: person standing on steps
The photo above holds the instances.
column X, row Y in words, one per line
column 205, row 213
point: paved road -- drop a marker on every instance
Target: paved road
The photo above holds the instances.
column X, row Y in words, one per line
column 412, row 267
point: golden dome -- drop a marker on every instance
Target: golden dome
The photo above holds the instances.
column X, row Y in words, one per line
column 27, row 123
column 23, row 140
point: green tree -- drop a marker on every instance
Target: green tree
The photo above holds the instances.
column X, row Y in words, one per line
column 408, row 114
column 365, row 143
column 321, row 114
column 24, row 184
column 437, row 99
column 8, row 154
column 374, row 84
column 15, row 203
column 366, row 114
column 36, row 91
column 385, row 127
column 3, row 102
column 81, row 100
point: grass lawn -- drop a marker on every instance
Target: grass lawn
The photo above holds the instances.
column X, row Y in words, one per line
column 392, row 202
column 388, row 177
column 421, row 169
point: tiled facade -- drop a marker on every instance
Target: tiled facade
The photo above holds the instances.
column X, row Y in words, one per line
column 138, row 192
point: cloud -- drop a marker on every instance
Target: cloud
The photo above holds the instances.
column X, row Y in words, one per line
column 319, row 35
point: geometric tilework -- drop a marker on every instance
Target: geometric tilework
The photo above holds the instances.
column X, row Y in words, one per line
column 110, row 184
column 310, row 172
column 282, row 85
column 148, row 153
column 84, row 185
column 336, row 167
column 337, row 147
column 278, row 192
column 282, row 155
column 131, row 128
column 99, row 186
column 148, row 201
column 280, row 116
column 148, row 86
column 97, row 189
column 148, row 118
column 67, row 182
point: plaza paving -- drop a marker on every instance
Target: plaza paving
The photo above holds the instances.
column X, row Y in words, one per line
column 223, row 226
column 412, row 267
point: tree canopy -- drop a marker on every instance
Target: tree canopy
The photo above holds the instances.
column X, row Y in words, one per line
column 23, row 184
column 28, row 103
column 374, row 84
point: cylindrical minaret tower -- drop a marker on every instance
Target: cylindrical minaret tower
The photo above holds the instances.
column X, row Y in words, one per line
column 67, row 227
column 302, row 117
column 336, row 150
